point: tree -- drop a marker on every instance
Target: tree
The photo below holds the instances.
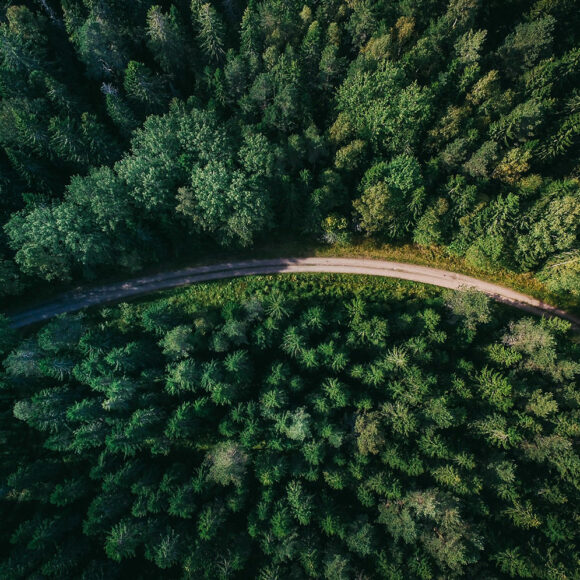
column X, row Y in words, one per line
column 429, row 229
column 336, row 566
column 229, row 205
column 521, row 124
column 392, row 197
column 81, row 142
column 551, row 225
column 529, row 42
column 167, row 39
column 383, row 108
column 48, row 259
column 178, row 342
column 523, row 516
column 331, row 66
column 310, row 52
column 461, row 13
column 534, row 340
column 160, row 317
column 123, row 540
column 234, row 429
column 46, row 410
column 119, row 111
column 481, row 162
column 566, row 134
column 209, row 521
column 337, row 392
column 351, row 156
column 513, row 165
column 495, row 388
column 369, row 436
column 92, row 223
column 511, row 562
column 97, row 223
column 488, row 230
column 300, row 503
column 295, row 425
column 210, row 29
column 471, row 305
column 227, row 464
column 360, row 540
column 144, row 87
column 149, row 172
column 168, row 552
column 294, row 342
column 257, row 155
column 101, row 46
column 562, row 272
column 23, row 39
column 287, row 105
column 469, row 47
column 61, row 334
column 362, row 22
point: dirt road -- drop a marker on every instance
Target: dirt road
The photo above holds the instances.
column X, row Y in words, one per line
column 83, row 298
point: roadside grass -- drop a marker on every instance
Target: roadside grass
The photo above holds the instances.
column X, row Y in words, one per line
column 332, row 288
column 279, row 247
column 305, row 285
column 434, row 257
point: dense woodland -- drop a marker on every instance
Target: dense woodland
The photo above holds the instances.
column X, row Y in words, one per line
column 299, row 429
column 131, row 132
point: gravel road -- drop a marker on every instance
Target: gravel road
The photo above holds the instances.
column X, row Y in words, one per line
column 85, row 297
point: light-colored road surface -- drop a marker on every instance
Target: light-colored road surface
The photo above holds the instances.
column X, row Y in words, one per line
column 83, row 298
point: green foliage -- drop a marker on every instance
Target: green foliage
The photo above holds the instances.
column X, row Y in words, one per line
column 369, row 436
column 471, row 305
column 122, row 540
column 88, row 230
column 133, row 133
column 529, row 42
column 442, row 124
column 227, row 464
column 382, row 108
column 392, row 197
column 210, row 29
column 167, row 39
column 144, row 442
column 142, row 86
column 562, row 272
column 230, row 206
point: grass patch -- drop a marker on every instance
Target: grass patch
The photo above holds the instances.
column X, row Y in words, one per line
column 306, row 285
column 219, row 292
column 435, row 257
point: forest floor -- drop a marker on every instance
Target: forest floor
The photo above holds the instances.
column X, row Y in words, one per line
column 80, row 298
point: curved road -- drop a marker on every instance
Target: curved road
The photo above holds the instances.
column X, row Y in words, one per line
column 78, row 299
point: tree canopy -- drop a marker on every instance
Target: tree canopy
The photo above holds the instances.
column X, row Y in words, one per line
column 213, row 124
column 320, row 427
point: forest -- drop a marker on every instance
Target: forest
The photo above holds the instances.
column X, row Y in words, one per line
column 133, row 133
column 315, row 427
column 293, row 426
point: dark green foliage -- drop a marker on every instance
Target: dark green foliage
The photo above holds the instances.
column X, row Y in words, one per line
column 392, row 196
column 143, row 87
column 321, row 432
column 295, row 428
column 448, row 124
